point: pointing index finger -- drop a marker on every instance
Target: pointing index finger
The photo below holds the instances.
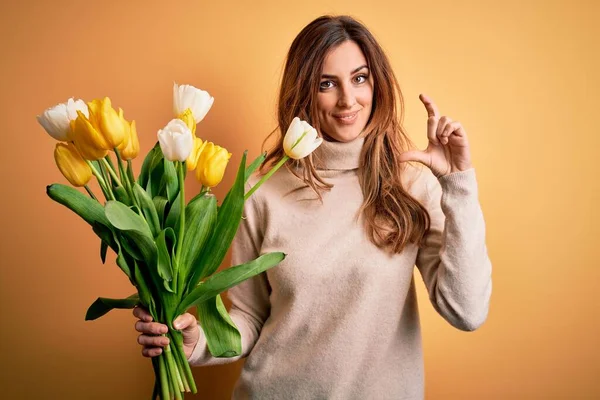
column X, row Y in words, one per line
column 432, row 110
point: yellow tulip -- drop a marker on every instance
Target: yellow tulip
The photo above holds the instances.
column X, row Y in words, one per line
column 71, row 164
column 211, row 164
column 192, row 160
column 125, row 141
column 133, row 144
column 86, row 138
column 188, row 118
column 94, row 107
column 108, row 121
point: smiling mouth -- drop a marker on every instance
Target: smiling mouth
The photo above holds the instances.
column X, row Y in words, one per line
column 346, row 116
column 346, row 119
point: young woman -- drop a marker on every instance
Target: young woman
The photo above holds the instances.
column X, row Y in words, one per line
column 338, row 318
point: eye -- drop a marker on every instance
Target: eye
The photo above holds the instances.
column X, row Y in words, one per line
column 321, row 86
column 362, row 76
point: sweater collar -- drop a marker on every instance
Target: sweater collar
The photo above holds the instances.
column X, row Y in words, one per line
column 338, row 155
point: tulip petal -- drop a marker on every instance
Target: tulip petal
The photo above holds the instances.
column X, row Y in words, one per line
column 187, row 96
column 71, row 164
column 74, row 105
column 182, row 145
column 291, row 135
column 55, row 122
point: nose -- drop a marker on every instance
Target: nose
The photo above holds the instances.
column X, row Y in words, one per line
column 346, row 96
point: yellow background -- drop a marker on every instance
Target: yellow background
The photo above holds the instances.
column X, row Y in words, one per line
column 521, row 76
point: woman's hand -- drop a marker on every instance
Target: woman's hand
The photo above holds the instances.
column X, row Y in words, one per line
column 151, row 338
column 448, row 148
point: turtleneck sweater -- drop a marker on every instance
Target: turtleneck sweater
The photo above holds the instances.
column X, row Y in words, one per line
column 338, row 318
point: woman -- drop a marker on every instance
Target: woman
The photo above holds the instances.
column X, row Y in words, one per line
column 338, row 318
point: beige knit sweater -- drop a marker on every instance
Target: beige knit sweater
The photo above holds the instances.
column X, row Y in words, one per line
column 338, row 318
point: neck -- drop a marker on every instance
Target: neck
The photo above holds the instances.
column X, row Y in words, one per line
column 338, row 155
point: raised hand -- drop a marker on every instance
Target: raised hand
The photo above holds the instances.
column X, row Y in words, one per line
column 448, row 148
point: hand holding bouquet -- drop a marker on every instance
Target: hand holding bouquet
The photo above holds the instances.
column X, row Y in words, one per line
column 168, row 249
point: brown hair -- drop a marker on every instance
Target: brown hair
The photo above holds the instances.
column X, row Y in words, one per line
column 392, row 216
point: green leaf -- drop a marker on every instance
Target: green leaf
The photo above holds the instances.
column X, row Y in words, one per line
column 149, row 187
column 174, row 212
column 106, row 235
column 160, row 203
column 124, row 219
column 148, row 208
column 200, row 219
column 124, row 265
column 148, row 163
column 171, row 180
column 130, row 247
column 147, row 248
column 121, row 195
column 103, row 305
column 255, row 164
column 88, row 209
column 155, row 181
column 135, row 236
column 222, row 335
column 228, row 221
column 227, row 278
column 165, row 270
column 143, row 290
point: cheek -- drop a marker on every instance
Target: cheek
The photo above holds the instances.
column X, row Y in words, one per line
column 324, row 105
column 366, row 96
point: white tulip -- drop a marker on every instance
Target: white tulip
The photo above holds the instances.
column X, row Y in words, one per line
column 74, row 105
column 57, row 120
column 176, row 140
column 301, row 139
column 186, row 96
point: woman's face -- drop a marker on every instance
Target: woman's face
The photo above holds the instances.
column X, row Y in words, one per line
column 345, row 89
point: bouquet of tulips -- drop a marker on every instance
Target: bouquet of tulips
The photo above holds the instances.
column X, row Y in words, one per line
column 168, row 249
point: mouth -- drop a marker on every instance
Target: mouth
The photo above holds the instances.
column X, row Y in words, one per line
column 346, row 118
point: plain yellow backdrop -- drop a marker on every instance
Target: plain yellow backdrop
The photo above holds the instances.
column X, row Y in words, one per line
column 521, row 76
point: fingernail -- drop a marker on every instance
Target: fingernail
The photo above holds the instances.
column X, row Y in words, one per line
column 164, row 329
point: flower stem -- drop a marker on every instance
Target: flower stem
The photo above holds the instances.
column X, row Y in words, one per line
column 91, row 193
column 164, row 381
column 155, row 367
column 109, row 161
column 180, row 168
column 111, row 172
column 121, row 170
column 267, row 176
column 105, row 189
column 109, row 181
column 125, row 178
column 179, row 364
column 177, row 339
column 173, row 371
column 130, row 172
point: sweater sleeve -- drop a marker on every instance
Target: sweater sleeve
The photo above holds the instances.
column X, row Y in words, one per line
column 250, row 305
column 454, row 262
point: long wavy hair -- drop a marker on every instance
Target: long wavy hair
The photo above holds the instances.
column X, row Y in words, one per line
column 392, row 216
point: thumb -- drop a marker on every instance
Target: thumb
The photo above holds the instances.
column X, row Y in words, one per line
column 187, row 324
column 415, row 155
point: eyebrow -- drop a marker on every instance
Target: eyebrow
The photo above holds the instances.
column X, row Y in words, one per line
column 353, row 72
